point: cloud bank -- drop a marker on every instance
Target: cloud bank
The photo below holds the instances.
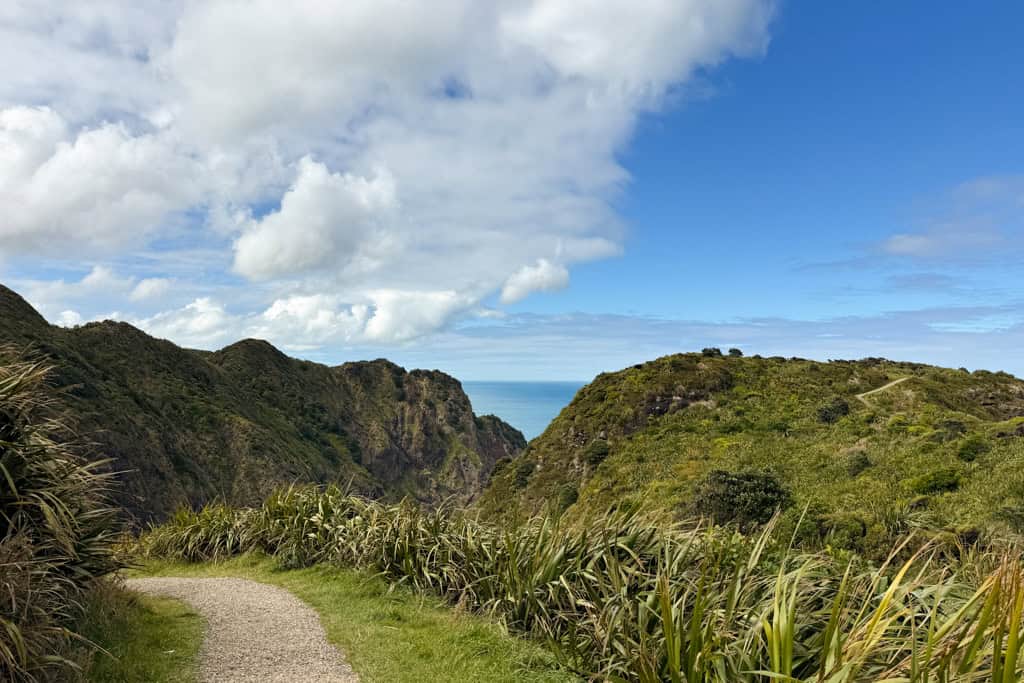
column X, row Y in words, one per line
column 368, row 171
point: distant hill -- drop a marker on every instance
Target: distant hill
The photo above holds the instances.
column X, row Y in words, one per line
column 865, row 446
column 189, row 426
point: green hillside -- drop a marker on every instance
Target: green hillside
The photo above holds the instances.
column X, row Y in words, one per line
column 871, row 448
column 185, row 426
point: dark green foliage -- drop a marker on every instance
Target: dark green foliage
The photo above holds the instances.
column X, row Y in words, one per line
column 735, row 353
column 596, row 452
column 857, row 462
column 500, row 465
column 844, row 530
column 1013, row 516
column 949, row 430
column 711, row 352
column 523, row 471
column 567, row 497
column 971, row 447
column 56, row 529
column 835, row 410
column 742, row 498
column 939, row 481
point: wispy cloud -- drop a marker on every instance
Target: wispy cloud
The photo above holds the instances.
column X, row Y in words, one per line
column 981, row 219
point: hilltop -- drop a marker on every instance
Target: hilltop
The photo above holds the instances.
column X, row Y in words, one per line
column 187, row 426
column 869, row 447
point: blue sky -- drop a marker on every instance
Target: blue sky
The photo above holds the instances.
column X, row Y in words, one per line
column 542, row 190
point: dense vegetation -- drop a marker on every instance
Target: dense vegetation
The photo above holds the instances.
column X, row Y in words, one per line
column 622, row 598
column 870, row 449
column 187, row 427
column 56, row 529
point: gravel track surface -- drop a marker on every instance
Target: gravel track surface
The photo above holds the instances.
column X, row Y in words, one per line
column 863, row 398
column 254, row 632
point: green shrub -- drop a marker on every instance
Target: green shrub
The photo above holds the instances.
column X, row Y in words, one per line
column 711, row 352
column 735, row 353
column 971, row 447
column 568, row 494
column 742, row 498
column 780, row 426
column 523, row 471
column 898, row 423
column 845, row 530
column 949, row 430
column 596, row 452
column 835, row 410
column 499, row 466
column 857, row 462
column 1012, row 515
column 938, row 481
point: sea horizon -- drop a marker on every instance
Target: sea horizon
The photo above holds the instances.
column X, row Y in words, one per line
column 528, row 406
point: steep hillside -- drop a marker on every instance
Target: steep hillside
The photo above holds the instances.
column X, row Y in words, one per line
column 869, row 445
column 191, row 426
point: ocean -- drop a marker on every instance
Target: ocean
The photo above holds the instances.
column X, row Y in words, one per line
column 527, row 406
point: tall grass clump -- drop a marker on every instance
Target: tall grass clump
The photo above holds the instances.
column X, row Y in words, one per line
column 624, row 599
column 56, row 530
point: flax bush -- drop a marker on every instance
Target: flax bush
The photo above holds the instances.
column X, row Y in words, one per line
column 56, row 530
column 622, row 598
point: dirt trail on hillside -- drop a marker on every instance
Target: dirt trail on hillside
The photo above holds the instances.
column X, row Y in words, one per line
column 255, row 632
column 863, row 397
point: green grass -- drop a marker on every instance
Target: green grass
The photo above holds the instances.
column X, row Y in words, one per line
column 650, row 435
column 393, row 635
column 146, row 639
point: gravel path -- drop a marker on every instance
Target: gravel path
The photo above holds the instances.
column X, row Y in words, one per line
column 255, row 632
column 864, row 397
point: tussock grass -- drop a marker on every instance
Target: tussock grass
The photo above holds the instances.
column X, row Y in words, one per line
column 622, row 598
column 56, row 530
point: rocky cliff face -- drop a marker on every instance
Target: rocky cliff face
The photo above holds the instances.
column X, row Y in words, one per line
column 187, row 426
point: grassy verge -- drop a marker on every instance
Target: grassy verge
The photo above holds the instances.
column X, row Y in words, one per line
column 147, row 639
column 392, row 636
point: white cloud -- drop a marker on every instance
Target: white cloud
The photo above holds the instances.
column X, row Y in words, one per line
column 150, row 288
column 387, row 316
column 69, row 318
column 309, row 322
column 51, row 297
column 203, row 323
column 401, row 160
column 545, row 276
column 324, row 221
column 28, row 137
column 312, row 319
column 658, row 41
column 98, row 188
column 401, row 316
column 92, row 58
